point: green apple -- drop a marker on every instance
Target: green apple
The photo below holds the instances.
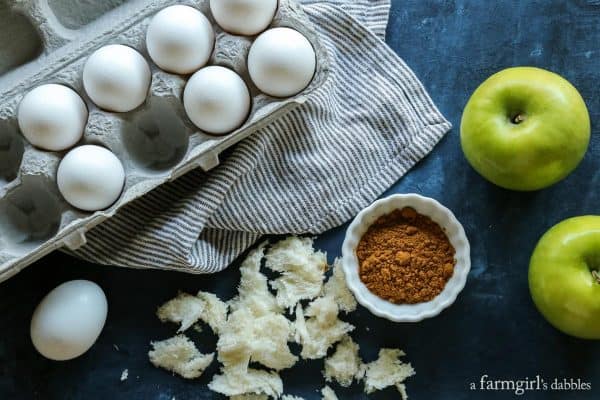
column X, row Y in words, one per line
column 564, row 276
column 525, row 128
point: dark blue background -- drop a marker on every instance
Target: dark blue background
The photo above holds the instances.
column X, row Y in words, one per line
column 493, row 328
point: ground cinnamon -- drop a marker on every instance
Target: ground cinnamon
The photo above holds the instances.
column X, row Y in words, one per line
column 405, row 257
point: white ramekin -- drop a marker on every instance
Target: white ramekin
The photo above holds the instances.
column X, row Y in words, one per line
column 406, row 312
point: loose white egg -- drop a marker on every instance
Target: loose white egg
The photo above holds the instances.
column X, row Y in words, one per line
column 180, row 39
column 68, row 320
column 243, row 17
column 90, row 178
column 52, row 117
column 116, row 78
column 216, row 100
column 281, row 62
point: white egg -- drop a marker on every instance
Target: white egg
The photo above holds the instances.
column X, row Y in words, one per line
column 216, row 100
column 180, row 39
column 281, row 62
column 68, row 320
column 52, row 117
column 90, row 178
column 116, row 78
column 243, row 17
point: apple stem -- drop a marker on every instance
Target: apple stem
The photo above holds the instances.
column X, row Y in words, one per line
column 596, row 276
column 517, row 119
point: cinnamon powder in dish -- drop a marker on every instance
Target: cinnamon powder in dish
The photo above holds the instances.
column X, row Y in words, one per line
column 405, row 257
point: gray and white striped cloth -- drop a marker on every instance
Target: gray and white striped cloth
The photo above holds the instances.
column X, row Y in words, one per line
column 309, row 171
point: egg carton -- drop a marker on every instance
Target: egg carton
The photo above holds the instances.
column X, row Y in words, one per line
column 48, row 41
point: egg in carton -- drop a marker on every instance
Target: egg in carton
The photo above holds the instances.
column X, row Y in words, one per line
column 155, row 142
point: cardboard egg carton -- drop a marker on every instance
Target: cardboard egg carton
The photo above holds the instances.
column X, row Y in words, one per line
column 48, row 41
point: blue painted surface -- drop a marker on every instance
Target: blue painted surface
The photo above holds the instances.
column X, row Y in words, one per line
column 493, row 328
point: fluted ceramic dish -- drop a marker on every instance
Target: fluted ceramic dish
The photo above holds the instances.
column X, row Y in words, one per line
column 406, row 312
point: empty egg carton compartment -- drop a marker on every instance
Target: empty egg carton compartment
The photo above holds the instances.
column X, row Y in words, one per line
column 74, row 15
column 19, row 39
column 156, row 138
column 29, row 215
column 156, row 142
column 12, row 147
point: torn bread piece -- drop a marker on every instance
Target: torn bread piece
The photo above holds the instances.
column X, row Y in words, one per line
column 250, row 397
column 387, row 370
column 253, row 290
column 302, row 270
column 321, row 330
column 179, row 355
column 215, row 311
column 256, row 330
column 345, row 364
column 402, row 389
column 233, row 347
column 328, row 393
column 235, row 381
column 246, row 338
column 271, row 336
column 337, row 288
column 184, row 309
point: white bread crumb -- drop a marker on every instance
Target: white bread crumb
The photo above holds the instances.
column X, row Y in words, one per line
column 237, row 381
column 321, row 330
column 250, row 396
column 337, row 288
column 302, row 270
column 184, row 309
column 402, row 389
column 215, row 311
column 387, row 370
column 344, row 365
column 255, row 330
column 124, row 375
column 246, row 338
column 253, row 291
column 328, row 393
column 179, row 355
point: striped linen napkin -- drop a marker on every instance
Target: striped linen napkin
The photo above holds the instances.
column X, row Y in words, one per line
column 307, row 172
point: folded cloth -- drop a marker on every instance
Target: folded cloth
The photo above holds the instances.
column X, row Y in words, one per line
column 307, row 172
